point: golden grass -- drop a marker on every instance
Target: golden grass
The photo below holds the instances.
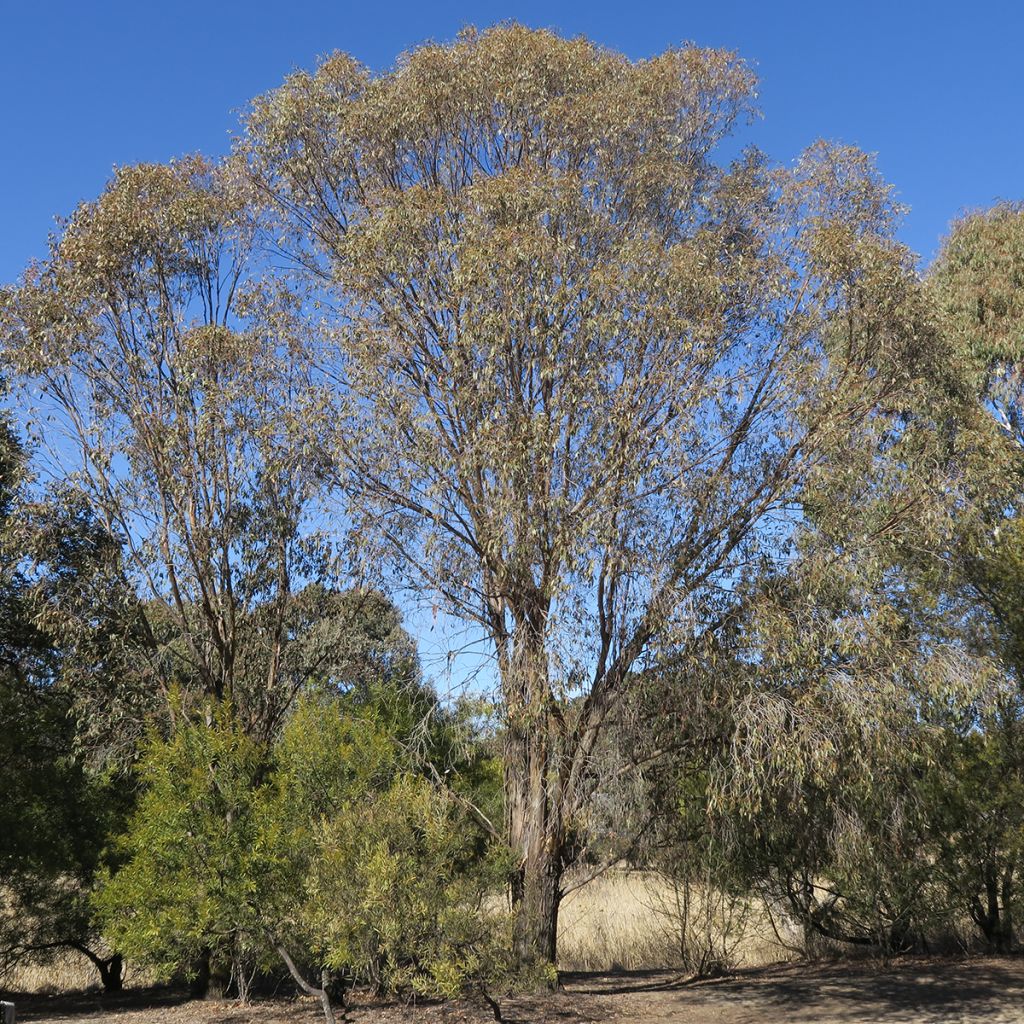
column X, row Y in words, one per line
column 68, row 971
column 628, row 920
column 637, row 919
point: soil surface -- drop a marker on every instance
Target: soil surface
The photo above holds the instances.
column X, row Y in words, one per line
column 912, row 991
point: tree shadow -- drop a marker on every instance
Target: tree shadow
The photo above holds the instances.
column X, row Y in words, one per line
column 90, row 1003
column 910, row 990
column 838, row 992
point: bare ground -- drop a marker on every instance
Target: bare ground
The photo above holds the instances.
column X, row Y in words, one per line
column 913, row 991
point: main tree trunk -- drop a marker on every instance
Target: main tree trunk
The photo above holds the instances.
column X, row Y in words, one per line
column 536, row 833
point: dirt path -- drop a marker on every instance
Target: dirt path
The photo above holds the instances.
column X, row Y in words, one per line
column 927, row 991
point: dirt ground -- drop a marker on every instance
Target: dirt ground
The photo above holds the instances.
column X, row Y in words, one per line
column 913, row 991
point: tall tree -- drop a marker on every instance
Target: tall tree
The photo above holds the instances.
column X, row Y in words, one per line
column 166, row 371
column 578, row 367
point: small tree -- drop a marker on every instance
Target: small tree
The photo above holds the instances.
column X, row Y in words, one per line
column 399, row 883
column 405, row 895
column 196, row 874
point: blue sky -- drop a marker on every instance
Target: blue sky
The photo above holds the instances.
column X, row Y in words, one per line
column 935, row 89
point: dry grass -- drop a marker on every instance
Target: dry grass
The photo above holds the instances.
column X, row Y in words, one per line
column 628, row 920
column 69, row 972
column 637, row 920
column 66, row 972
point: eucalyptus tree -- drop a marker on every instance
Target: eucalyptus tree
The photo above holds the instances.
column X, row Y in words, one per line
column 889, row 654
column 976, row 284
column 161, row 369
column 977, row 576
column 576, row 363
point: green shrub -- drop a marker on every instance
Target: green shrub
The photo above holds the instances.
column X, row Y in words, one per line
column 404, row 894
column 198, row 873
column 326, row 845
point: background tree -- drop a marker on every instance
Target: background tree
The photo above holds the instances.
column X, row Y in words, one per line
column 167, row 372
column 977, row 575
column 57, row 810
column 831, row 792
column 580, row 369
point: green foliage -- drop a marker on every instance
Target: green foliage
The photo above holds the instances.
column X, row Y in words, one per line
column 978, row 282
column 56, row 818
column 326, row 843
column 57, row 812
column 405, row 894
column 399, row 887
column 975, row 824
column 197, row 872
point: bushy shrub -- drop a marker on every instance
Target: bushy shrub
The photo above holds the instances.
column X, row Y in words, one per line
column 198, row 873
column 402, row 893
column 326, row 850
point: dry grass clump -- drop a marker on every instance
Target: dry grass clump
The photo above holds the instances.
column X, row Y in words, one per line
column 609, row 923
column 65, row 972
column 634, row 920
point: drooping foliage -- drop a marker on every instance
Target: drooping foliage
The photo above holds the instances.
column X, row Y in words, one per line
column 864, row 765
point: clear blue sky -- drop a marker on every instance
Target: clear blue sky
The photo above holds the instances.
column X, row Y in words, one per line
column 936, row 89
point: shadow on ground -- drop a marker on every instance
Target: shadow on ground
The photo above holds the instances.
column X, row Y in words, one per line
column 910, row 991
column 93, row 1004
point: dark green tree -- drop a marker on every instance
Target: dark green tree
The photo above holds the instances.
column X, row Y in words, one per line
column 57, row 809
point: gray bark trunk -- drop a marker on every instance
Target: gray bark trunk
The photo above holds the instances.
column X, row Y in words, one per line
column 536, row 833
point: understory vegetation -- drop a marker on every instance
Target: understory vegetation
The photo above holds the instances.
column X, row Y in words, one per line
column 719, row 492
